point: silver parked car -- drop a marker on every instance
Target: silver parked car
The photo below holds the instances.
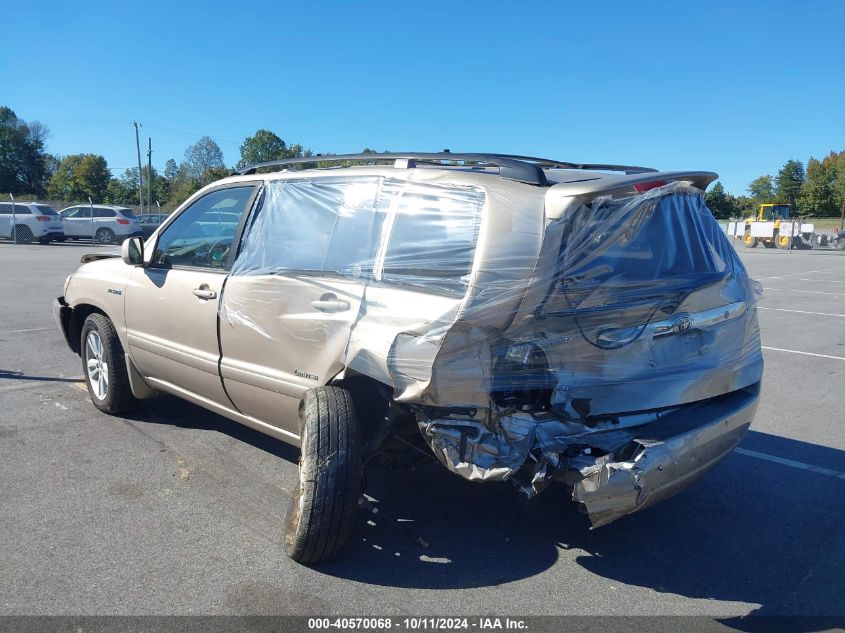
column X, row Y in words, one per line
column 28, row 222
column 526, row 320
column 103, row 223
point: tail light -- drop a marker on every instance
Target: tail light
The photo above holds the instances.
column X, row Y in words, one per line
column 43, row 218
column 122, row 221
column 642, row 187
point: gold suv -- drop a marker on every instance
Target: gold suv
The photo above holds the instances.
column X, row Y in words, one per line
column 526, row 319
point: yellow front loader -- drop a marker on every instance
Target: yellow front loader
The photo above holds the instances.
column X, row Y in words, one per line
column 775, row 227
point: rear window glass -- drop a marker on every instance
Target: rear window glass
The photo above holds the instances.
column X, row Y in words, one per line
column 128, row 213
column 432, row 241
column 45, row 210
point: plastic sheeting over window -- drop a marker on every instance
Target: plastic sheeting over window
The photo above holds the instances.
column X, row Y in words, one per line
column 416, row 234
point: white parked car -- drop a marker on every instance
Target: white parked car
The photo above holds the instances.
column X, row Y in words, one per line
column 28, row 222
column 109, row 224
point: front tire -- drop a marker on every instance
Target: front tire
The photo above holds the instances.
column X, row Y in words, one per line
column 23, row 234
column 104, row 366
column 748, row 241
column 321, row 515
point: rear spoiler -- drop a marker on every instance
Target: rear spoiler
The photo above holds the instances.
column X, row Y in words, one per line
column 566, row 195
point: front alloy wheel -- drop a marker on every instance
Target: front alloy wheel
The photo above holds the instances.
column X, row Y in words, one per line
column 98, row 368
column 104, row 364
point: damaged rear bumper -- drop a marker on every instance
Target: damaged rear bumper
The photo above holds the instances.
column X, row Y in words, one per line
column 615, row 467
column 670, row 457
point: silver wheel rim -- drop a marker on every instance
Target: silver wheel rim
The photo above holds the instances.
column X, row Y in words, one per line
column 98, row 369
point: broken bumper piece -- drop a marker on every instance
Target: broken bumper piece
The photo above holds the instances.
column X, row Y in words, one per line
column 614, row 470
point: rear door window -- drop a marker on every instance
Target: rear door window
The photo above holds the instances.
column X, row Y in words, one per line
column 320, row 225
column 432, row 240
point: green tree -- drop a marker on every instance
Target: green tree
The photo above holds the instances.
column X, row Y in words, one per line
column 80, row 176
column 762, row 189
column 202, row 155
column 261, row 147
column 789, row 181
column 23, row 164
column 721, row 204
column 171, row 170
column 820, row 194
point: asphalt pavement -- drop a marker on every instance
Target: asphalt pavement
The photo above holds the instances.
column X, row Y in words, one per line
column 174, row 510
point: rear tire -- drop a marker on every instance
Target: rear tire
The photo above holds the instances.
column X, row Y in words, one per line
column 783, row 242
column 321, row 515
column 104, row 236
column 23, row 234
column 104, row 366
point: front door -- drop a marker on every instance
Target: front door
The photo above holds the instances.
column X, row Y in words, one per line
column 77, row 222
column 171, row 304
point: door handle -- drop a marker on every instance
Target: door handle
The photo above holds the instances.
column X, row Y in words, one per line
column 204, row 292
column 330, row 303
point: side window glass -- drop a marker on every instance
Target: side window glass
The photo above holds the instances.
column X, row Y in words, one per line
column 320, row 225
column 84, row 212
column 204, row 233
column 5, row 209
column 104, row 213
column 432, row 241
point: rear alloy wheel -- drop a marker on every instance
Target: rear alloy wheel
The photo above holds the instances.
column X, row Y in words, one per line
column 23, row 234
column 748, row 241
column 104, row 365
column 105, row 236
column 321, row 515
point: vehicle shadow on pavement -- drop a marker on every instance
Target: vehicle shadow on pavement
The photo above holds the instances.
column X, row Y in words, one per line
column 172, row 411
column 9, row 374
column 751, row 531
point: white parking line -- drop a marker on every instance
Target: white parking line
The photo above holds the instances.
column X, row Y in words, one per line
column 791, row 462
column 34, row 329
column 811, row 292
column 795, row 351
column 802, row 311
column 803, row 272
column 827, row 281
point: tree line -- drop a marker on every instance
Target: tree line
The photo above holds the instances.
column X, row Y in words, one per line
column 817, row 191
column 27, row 168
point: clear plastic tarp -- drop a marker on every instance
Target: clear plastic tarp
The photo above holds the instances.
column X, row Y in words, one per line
column 518, row 340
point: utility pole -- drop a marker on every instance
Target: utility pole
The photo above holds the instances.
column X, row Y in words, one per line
column 140, row 175
column 150, row 176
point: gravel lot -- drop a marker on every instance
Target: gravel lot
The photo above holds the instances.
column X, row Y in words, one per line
column 177, row 511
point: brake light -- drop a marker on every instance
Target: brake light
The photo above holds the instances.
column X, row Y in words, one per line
column 122, row 221
column 642, row 187
column 42, row 218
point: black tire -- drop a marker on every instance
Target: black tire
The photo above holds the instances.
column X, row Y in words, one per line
column 840, row 244
column 23, row 234
column 321, row 515
column 104, row 236
column 118, row 396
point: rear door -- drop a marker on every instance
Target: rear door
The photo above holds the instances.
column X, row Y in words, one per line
column 171, row 304
column 295, row 292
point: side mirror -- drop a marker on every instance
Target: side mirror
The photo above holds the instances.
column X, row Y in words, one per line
column 132, row 251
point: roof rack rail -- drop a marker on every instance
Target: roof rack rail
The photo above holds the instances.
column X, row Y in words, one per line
column 510, row 168
column 527, row 169
column 548, row 163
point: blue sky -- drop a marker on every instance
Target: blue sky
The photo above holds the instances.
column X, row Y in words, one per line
column 733, row 87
